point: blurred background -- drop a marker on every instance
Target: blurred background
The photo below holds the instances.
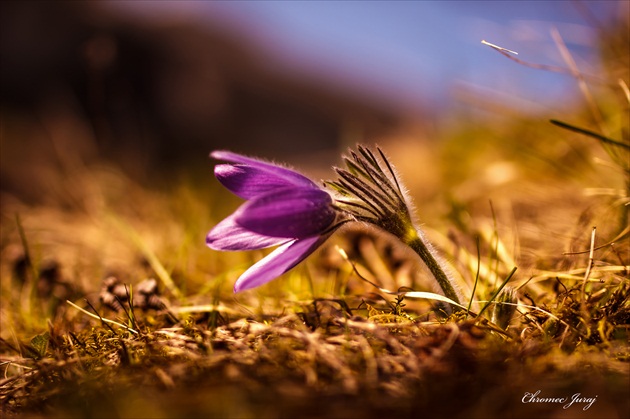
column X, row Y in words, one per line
column 155, row 86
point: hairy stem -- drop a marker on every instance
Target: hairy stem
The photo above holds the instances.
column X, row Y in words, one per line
column 418, row 245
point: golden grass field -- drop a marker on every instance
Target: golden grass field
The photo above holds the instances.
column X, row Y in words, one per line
column 84, row 333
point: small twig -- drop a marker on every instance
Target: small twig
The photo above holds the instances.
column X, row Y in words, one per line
column 206, row 308
column 589, row 267
column 586, row 316
column 104, row 320
column 498, row 48
column 546, row 67
column 575, row 72
column 610, row 243
column 100, row 317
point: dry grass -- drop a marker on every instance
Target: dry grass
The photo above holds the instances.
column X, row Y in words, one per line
column 321, row 342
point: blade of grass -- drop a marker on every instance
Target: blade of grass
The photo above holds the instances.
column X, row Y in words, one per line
column 29, row 286
column 494, row 243
column 130, row 313
column 27, row 253
column 590, row 133
column 494, row 296
column 472, row 295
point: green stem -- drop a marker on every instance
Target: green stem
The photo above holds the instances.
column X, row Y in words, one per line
column 417, row 244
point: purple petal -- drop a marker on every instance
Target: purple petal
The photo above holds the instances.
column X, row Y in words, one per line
column 227, row 235
column 288, row 212
column 247, row 181
column 281, row 174
column 278, row 262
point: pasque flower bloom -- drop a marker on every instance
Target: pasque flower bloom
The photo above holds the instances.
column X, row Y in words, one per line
column 288, row 210
column 283, row 208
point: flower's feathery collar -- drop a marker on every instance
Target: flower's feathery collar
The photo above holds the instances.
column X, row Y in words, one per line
column 369, row 191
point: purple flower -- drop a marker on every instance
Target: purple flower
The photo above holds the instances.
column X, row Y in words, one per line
column 283, row 209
